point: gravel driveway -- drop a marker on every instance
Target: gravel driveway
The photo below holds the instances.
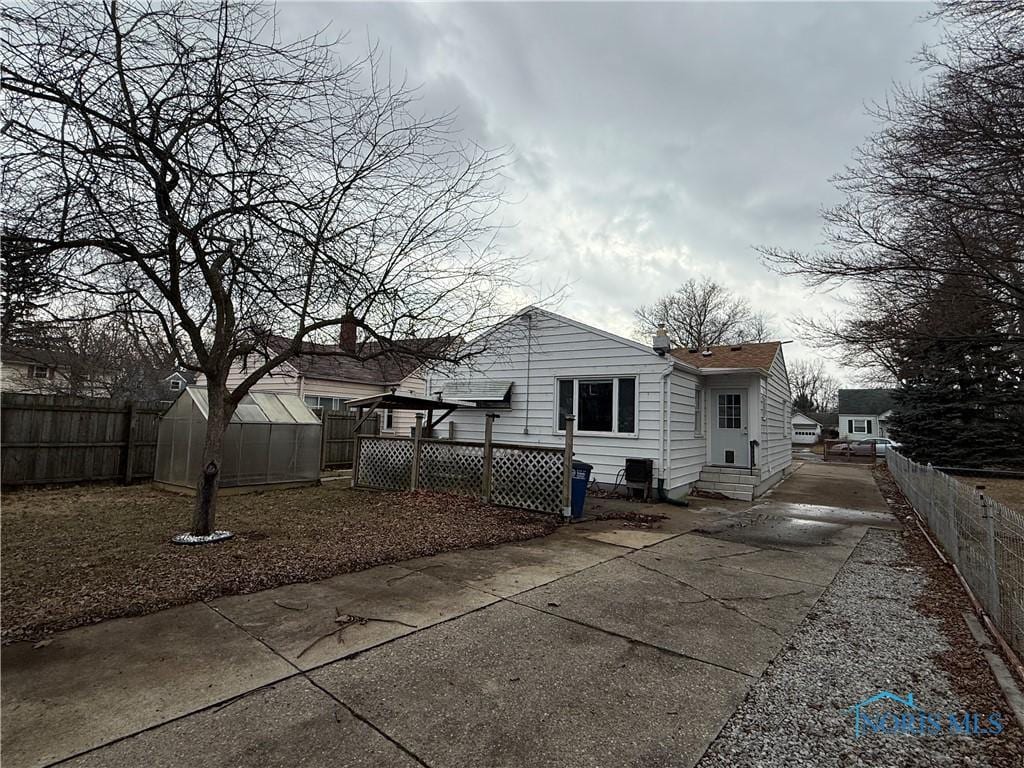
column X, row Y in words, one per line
column 871, row 630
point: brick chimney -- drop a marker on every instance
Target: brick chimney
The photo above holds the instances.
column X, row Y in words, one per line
column 347, row 333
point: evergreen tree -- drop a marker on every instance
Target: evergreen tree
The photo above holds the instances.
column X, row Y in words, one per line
column 960, row 400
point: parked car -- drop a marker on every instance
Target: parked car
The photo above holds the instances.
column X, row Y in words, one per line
column 872, row 446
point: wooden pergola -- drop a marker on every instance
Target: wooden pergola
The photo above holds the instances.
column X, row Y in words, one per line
column 366, row 406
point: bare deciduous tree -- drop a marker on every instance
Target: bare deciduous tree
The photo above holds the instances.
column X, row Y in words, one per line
column 701, row 313
column 813, row 388
column 183, row 162
column 935, row 194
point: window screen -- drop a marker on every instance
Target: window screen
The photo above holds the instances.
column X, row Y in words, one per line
column 565, row 400
column 627, row 405
column 595, row 406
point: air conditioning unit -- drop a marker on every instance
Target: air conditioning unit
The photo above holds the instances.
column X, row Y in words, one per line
column 639, row 476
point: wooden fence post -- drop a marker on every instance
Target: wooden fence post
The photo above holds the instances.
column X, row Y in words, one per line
column 567, row 469
column 129, row 443
column 988, row 515
column 357, row 445
column 417, row 435
column 488, row 457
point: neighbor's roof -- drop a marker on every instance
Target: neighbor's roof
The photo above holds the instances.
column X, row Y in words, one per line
column 803, row 418
column 825, row 418
column 54, row 358
column 753, row 355
column 330, row 361
column 867, row 401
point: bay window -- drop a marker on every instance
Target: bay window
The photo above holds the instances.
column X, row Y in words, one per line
column 605, row 405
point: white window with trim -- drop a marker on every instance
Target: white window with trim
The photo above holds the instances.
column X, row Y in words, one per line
column 859, row 427
column 602, row 406
column 387, row 420
column 698, row 412
column 174, row 384
column 39, row 372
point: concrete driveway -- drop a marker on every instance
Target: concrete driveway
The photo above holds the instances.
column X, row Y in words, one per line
column 602, row 644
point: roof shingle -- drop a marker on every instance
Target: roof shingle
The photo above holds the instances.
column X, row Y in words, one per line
column 873, row 401
column 753, row 355
column 331, row 362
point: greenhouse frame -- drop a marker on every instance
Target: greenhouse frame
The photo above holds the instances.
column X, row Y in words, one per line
column 272, row 440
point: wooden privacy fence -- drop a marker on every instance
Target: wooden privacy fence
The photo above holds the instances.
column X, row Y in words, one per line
column 509, row 474
column 59, row 439
column 985, row 539
column 338, row 443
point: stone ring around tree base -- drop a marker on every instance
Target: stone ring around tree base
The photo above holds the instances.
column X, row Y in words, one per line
column 210, row 538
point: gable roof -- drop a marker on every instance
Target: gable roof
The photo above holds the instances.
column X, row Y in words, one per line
column 868, row 401
column 332, row 362
column 759, row 355
column 803, row 418
column 825, row 418
column 534, row 310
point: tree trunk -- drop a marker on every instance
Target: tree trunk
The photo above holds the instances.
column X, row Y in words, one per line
column 204, row 511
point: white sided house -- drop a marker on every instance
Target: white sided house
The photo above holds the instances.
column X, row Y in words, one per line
column 717, row 418
column 327, row 376
column 864, row 413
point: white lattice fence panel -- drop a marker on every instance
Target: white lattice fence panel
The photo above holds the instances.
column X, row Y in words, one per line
column 452, row 467
column 384, row 463
column 529, row 478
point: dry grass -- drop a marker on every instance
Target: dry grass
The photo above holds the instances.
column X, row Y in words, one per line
column 75, row 556
column 1009, row 491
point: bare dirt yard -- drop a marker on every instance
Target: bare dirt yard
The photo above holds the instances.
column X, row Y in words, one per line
column 1006, row 490
column 79, row 555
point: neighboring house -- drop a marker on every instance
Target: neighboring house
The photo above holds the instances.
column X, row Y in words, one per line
column 326, row 376
column 864, row 413
column 700, row 416
column 177, row 381
column 806, row 431
column 47, row 372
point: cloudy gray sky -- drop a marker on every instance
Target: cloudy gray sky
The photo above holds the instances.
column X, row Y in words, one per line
column 653, row 142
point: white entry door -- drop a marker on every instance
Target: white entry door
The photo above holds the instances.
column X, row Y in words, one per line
column 729, row 444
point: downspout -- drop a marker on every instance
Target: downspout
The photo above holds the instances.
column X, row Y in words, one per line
column 665, row 464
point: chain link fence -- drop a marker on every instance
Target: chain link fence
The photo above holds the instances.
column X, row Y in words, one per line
column 983, row 537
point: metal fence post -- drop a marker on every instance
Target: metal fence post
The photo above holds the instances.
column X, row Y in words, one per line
column 417, row 435
column 567, row 469
column 954, row 520
column 488, row 457
column 988, row 515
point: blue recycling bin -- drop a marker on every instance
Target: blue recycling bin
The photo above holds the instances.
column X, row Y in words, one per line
column 580, row 479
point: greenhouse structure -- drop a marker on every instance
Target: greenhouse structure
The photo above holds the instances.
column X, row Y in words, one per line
column 273, row 440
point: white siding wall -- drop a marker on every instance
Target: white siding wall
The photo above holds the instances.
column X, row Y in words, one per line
column 538, row 349
column 776, row 452
column 688, row 448
column 844, row 426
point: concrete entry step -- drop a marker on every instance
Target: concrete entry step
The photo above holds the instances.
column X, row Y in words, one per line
column 715, row 476
column 730, row 490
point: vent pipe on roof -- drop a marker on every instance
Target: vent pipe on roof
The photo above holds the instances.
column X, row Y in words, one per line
column 661, row 341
